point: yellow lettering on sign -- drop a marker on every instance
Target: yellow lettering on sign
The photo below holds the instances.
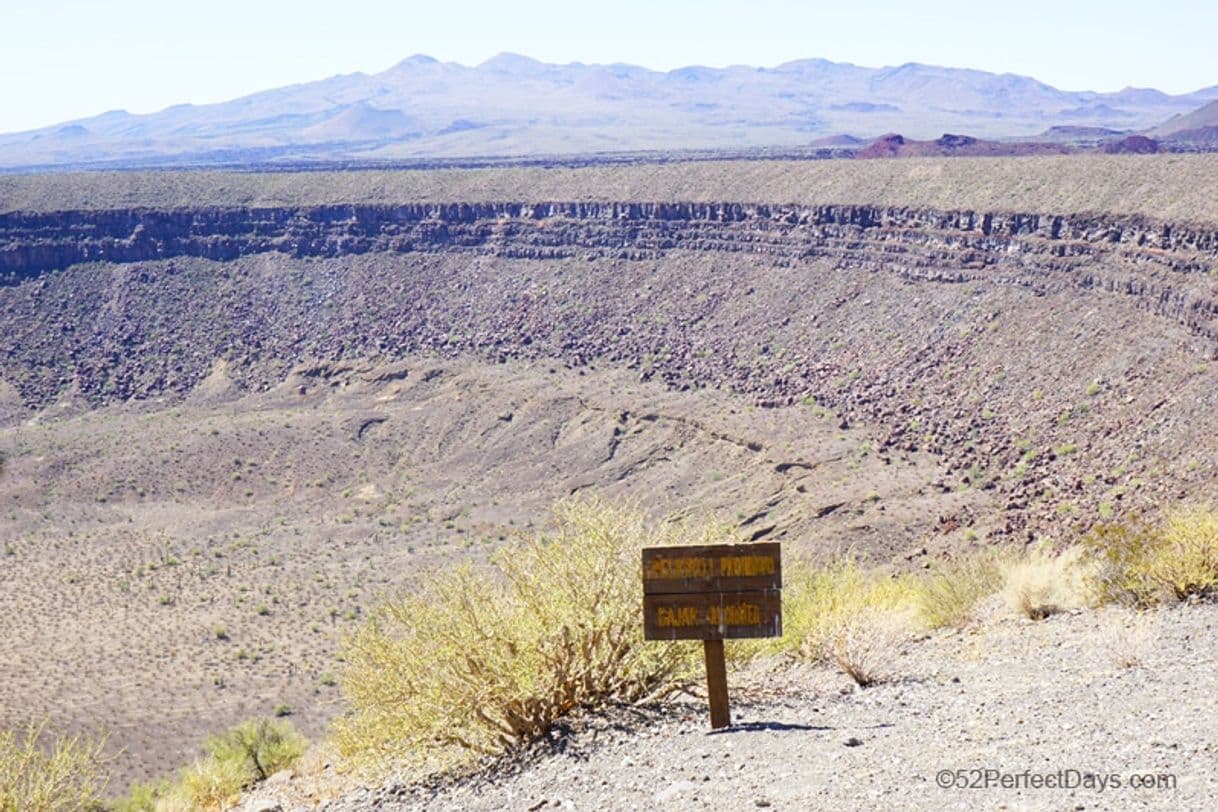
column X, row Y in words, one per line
column 676, row 616
column 735, row 614
column 687, row 567
column 745, row 566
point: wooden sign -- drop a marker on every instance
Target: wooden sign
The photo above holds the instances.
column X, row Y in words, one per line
column 713, row 593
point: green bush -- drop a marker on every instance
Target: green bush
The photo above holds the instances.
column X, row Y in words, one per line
column 1140, row 563
column 43, row 773
column 481, row 660
column 235, row 760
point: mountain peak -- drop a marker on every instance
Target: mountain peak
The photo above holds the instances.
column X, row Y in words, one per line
column 416, row 60
column 509, row 62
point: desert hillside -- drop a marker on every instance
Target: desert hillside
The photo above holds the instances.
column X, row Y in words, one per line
column 1172, row 188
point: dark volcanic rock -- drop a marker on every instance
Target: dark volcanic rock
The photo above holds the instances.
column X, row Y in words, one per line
column 896, row 146
column 1029, row 350
column 1132, row 145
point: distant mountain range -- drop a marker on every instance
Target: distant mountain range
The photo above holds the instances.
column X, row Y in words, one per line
column 515, row 106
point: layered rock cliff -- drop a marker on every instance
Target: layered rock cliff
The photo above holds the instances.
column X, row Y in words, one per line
column 34, row 242
column 1060, row 358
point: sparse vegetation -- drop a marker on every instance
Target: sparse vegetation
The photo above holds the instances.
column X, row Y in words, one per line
column 481, row 660
column 1042, row 583
column 41, row 772
column 1142, row 564
column 235, row 760
column 1128, row 638
column 864, row 644
column 841, row 614
column 949, row 596
column 302, row 532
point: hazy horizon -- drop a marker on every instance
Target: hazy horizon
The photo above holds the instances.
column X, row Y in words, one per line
column 79, row 60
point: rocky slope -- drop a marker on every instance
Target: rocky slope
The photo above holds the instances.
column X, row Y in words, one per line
column 1063, row 359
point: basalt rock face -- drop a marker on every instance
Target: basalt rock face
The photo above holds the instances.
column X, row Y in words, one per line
column 1155, row 263
column 1064, row 360
column 33, row 243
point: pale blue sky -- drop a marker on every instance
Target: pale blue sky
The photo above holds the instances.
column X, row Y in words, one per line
column 65, row 59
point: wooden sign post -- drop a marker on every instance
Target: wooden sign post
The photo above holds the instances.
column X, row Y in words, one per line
column 713, row 593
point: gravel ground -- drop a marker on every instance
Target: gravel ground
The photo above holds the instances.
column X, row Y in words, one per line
column 1048, row 701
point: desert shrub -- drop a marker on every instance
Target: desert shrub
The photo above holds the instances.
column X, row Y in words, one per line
column 40, row 772
column 1127, row 636
column 820, row 599
column 207, row 784
column 1184, row 558
column 852, row 618
column 262, row 746
column 864, row 644
column 481, row 660
column 1041, row 583
column 1117, row 551
column 949, row 596
column 235, row 760
column 1140, row 563
column 840, row 614
column 140, row 798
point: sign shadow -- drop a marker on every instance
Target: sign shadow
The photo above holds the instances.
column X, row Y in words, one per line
column 751, row 727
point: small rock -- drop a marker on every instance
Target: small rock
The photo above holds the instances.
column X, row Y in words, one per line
column 671, row 792
column 852, row 742
column 262, row 805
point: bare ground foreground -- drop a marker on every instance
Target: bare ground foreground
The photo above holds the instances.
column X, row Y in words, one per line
column 1014, row 701
column 1010, row 701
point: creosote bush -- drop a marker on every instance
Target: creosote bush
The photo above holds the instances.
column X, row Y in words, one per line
column 235, row 760
column 43, row 773
column 1141, row 564
column 479, row 661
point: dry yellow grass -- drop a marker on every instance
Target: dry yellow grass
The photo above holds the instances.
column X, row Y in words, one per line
column 841, row 614
column 1043, row 583
column 949, row 595
column 1128, row 636
column 864, row 644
